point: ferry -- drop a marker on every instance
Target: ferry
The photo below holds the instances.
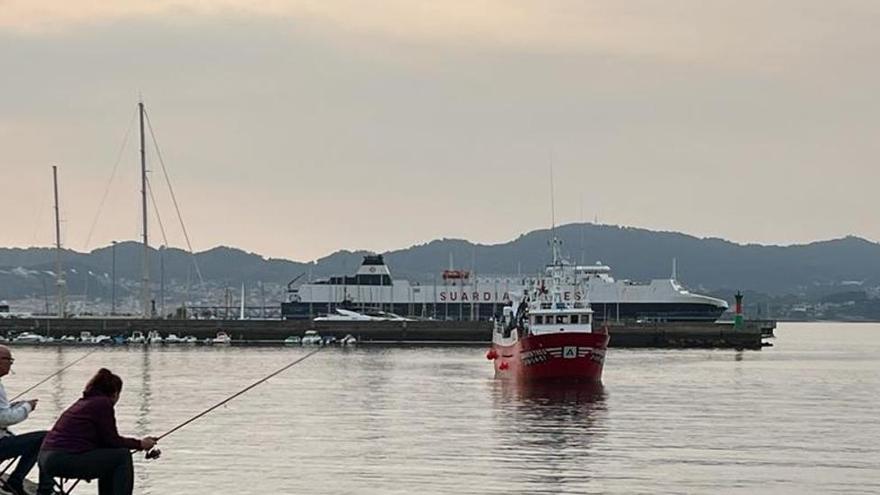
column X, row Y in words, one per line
column 544, row 337
column 462, row 296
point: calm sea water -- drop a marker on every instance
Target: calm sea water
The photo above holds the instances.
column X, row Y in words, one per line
column 801, row 417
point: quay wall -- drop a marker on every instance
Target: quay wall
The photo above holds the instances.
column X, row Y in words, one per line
column 623, row 334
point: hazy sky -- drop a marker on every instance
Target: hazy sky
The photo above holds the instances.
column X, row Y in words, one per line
column 294, row 129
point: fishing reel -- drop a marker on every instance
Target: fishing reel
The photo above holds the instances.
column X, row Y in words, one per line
column 153, row 454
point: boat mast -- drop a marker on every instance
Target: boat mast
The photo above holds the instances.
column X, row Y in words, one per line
column 59, row 275
column 241, row 313
column 145, row 287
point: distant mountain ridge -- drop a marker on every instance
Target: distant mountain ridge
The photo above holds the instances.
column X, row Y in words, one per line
column 709, row 265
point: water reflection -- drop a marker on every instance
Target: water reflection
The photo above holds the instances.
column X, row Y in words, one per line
column 552, row 427
column 57, row 392
column 583, row 396
column 142, row 422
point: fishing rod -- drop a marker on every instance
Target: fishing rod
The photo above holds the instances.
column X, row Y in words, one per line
column 155, row 453
column 53, row 375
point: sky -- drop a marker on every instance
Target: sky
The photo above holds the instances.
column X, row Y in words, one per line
column 295, row 129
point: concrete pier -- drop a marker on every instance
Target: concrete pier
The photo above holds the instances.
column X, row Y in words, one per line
column 623, row 334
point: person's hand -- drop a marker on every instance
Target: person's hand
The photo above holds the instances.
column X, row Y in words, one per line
column 33, row 403
column 148, row 443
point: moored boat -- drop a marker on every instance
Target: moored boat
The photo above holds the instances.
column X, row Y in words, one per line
column 312, row 337
column 29, row 338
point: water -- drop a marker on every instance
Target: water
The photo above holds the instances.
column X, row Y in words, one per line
column 800, row 417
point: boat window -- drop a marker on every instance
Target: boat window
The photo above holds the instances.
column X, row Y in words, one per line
column 539, row 320
column 575, row 319
column 561, row 319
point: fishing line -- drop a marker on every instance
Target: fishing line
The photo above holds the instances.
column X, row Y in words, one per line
column 240, row 392
column 53, row 375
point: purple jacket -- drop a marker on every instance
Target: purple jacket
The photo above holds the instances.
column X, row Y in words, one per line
column 89, row 424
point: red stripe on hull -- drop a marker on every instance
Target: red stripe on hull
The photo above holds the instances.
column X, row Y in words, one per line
column 557, row 356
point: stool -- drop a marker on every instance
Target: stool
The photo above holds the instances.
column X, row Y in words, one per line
column 65, row 486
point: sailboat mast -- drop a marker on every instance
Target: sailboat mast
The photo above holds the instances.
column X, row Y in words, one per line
column 241, row 314
column 59, row 275
column 145, row 288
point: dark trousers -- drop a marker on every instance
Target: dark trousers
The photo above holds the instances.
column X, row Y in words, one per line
column 26, row 447
column 112, row 468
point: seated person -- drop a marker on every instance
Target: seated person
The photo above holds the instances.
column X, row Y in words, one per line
column 84, row 443
column 26, row 446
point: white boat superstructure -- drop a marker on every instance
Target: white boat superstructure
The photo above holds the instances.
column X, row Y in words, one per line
column 463, row 296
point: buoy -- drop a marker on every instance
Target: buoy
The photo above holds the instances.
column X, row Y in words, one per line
column 492, row 354
column 503, row 365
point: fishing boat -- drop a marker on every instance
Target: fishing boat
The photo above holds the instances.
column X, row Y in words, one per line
column 154, row 338
column 543, row 335
column 136, row 338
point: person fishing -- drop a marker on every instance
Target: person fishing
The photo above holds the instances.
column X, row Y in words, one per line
column 85, row 444
column 25, row 446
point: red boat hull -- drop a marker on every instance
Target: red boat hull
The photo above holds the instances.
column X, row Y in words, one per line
column 557, row 356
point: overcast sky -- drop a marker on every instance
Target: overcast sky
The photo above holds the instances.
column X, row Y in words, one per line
column 294, row 129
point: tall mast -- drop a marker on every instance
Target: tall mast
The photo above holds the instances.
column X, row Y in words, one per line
column 59, row 275
column 145, row 287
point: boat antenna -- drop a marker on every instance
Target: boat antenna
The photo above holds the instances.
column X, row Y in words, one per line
column 552, row 201
column 674, row 270
column 554, row 241
column 59, row 275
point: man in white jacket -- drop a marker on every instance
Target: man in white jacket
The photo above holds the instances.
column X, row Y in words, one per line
column 26, row 446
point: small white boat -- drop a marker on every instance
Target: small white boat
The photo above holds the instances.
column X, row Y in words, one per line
column 312, row 338
column 189, row 339
column 221, row 339
column 349, row 339
column 86, row 338
column 136, row 338
column 154, row 338
column 67, row 339
column 293, row 340
column 102, row 340
column 172, row 338
column 29, row 338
